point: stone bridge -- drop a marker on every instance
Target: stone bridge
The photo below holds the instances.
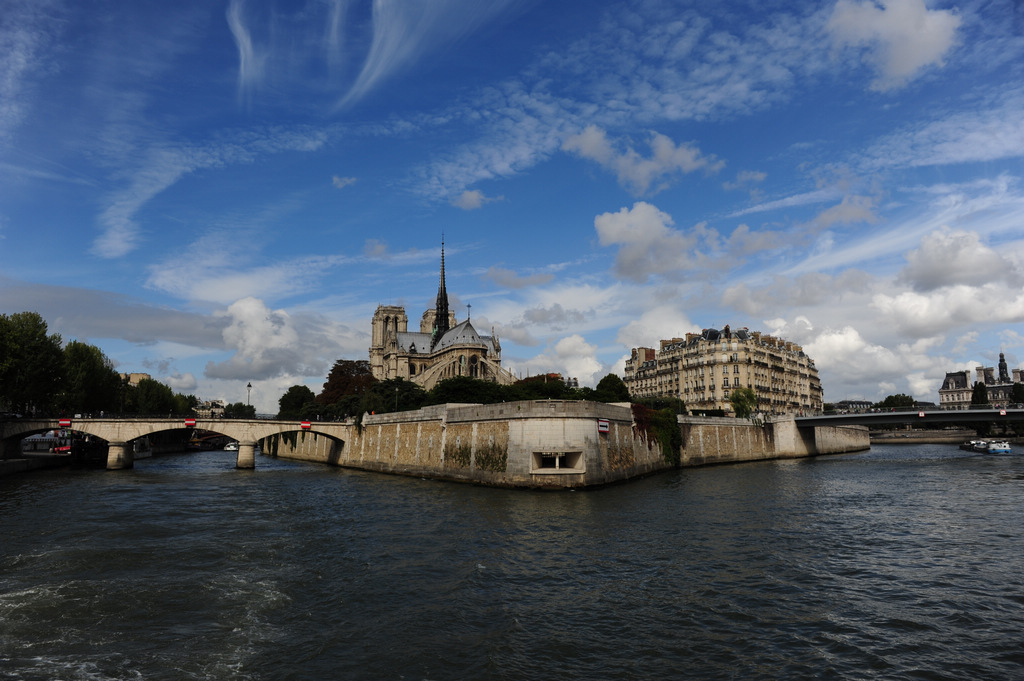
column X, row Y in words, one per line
column 120, row 432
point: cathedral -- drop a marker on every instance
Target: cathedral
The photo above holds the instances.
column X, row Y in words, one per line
column 443, row 348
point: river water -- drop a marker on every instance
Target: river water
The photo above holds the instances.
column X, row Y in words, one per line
column 904, row 562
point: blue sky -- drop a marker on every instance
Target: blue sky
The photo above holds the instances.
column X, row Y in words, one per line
column 220, row 193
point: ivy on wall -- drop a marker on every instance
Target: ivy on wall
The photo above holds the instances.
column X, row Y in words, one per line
column 659, row 427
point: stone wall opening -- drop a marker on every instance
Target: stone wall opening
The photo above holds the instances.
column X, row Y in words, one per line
column 553, row 463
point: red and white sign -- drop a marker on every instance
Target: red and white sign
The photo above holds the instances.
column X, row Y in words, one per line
column 65, row 423
column 921, row 414
column 602, row 425
column 305, row 425
column 190, row 423
column 1002, row 412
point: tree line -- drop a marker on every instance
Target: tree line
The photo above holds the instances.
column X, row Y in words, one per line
column 41, row 376
column 351, row 390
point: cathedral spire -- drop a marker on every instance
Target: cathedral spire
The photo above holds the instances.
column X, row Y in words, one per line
column 441, row 308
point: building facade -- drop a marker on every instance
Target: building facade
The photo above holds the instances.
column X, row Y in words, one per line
column 957, row 388
column 703, row 369
column 442, row 348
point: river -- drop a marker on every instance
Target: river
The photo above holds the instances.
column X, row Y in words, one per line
column 904, row 562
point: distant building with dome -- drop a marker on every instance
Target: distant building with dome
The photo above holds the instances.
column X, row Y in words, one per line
column 442, row 348
column 957, row 388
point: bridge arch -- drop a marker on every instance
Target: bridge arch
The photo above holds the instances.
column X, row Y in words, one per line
column 118, row 433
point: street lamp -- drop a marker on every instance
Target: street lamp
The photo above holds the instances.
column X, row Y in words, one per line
column 248, row 393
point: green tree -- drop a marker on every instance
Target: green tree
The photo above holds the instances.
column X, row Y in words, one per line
column 468, row 390
column 185, row 404
column 238, row 410
column 743, row 401
column 1017, row 393
column 980, row 394
column 611, row 389
column 152, row 397
column 543, row 387
column 294, row 399
column 347, row 378
column 31, row 363
column 394, row 394
column 897, row 401
column 90, row 382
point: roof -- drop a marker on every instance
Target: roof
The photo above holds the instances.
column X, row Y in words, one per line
column 460, row 334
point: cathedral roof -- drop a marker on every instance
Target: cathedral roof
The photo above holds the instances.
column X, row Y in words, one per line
column 463, row 334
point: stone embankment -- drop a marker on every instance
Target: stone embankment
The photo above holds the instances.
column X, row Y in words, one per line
column 552, row 443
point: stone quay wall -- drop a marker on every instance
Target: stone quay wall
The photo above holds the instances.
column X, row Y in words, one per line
column 550, row 443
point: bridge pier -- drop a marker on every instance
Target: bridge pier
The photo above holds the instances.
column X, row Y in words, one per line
column 246, row 455
column 120, row 456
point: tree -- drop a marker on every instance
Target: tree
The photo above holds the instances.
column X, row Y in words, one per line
column 468, row 390
column 31, row 363
column 152, row 397
column 980, row 394
column 743, row 401
column 294, row 399
column 394, row 394
column 611, row 389
column 897, row 401
column 543, row 387
column 91, row 384
column 237, row 410
column 1017, row 393
column 348, row 377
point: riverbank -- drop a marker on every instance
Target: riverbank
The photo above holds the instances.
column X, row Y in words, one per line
column 29, row 461
column 937, row 437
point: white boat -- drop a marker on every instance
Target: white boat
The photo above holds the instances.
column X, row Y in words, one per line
column 231, row 447
column 998, row 447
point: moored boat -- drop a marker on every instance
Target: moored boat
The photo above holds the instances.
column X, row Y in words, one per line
column 975, row 446
column 999, row 447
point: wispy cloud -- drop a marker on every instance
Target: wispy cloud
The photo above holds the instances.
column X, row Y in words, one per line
column 27, row 30
column 406, row 31
column 994, row 130
column 162, row 167
column 251, row 63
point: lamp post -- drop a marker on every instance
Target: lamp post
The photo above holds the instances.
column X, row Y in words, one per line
column 248, row 393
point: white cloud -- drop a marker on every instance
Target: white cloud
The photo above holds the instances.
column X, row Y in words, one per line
column 904, row 36
column 272, row 343
column 473, row 199
column 852, row 209
column 647, row 243
column 572, row 356
column 509, row 279
column 950, row 308
column 745, row 178
column 342, row 182
column 181, row 383
column 951, row 257
column 655, row 324
column 636, row 173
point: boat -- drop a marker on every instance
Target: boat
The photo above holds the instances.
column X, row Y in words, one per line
column 975, row 446
column 231, row 447
column 999, row 447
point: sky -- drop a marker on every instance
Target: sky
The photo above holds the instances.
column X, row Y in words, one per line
column 222, row 193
